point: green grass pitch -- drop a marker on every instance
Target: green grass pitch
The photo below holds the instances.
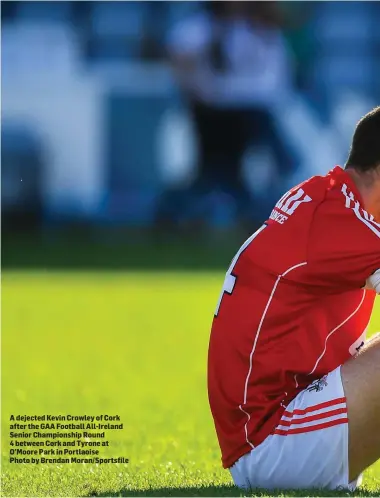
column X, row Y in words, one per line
column 132, row 344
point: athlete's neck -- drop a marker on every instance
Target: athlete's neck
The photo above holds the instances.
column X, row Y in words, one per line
column 368, row 185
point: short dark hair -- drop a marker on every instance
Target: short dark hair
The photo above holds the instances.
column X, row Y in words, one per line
column 365, row 149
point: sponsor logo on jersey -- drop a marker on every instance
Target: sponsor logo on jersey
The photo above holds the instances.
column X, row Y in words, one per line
column 287, row 205
column 318, row 385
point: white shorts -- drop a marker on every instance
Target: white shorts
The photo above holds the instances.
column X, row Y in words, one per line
column 309, row 447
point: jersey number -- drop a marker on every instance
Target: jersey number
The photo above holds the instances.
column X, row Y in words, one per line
column 230, row 279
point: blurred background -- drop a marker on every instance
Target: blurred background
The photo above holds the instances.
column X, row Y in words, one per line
column 141, row 144
column 131, row 124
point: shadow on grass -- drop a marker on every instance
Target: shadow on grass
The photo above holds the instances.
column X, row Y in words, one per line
column 234, row 491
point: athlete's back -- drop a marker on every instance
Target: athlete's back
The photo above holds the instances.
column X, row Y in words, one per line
column 292, row 308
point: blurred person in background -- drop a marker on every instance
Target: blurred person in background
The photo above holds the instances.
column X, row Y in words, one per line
column 232, row 66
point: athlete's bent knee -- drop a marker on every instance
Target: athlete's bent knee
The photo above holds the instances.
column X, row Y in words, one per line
column 361, row 378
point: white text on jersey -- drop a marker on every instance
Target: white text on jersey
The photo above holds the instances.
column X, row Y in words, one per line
column 361, row 214
column 288, row 203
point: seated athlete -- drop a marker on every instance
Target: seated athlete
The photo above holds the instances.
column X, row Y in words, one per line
column 294, row 387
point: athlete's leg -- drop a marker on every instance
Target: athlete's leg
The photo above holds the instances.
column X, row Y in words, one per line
column 361, row 383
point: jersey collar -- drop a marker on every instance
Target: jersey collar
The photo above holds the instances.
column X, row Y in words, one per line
column 339, row 175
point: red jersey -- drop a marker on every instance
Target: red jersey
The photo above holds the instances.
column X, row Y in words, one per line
column 293, row 308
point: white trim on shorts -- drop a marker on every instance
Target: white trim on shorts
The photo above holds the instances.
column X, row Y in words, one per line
column 308, row 448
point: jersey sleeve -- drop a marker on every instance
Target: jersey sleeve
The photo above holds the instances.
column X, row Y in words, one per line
column 344, row 247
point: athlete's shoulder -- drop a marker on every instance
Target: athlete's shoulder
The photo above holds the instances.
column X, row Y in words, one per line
column 314, row 188
column 307, row 194
column 343, row 201
column 322, row 185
